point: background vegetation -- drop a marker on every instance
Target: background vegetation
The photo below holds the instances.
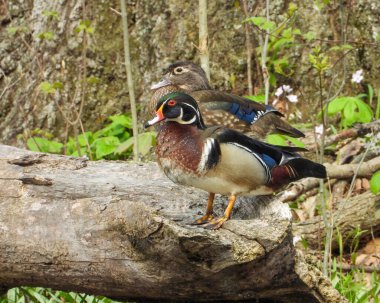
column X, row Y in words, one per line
column 63, row 90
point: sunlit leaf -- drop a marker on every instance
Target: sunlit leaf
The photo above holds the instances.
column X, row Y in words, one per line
column 44, row 145
column 375, row 183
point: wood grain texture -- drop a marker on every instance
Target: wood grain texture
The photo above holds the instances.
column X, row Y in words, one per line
column 121, row 229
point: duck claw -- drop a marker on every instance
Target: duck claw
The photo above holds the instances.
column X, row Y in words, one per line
column 215, row 223
column 203, row 220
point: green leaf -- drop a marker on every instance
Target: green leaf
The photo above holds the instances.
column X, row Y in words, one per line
column 84, row 139
column 375, row 183
column 364, row 113
column 349, row 114
column 44, row 145
column 256, row 98
column 309, row 36
column 377, row 114
column 295, row 141
column 370, row 94
column 276, row 139
column 52, row 14
column 337, row 105
column 257, row 20
column 105, row 146
column 49, row 88
column 145, row 140
column 123, row 120
column 46, row 35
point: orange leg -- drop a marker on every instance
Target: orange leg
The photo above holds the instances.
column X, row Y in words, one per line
column 218, row 222
column 209, row 211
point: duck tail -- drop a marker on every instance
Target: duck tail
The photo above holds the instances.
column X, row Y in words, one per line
column 296, row 169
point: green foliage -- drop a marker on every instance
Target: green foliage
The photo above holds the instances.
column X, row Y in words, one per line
column 46, row 295
column 256, row 98
column 262, row 23
column 51, row 14
column 375, row 183
column 50, row 88
column 319, row 60
column 48, row 35
column 352, row 110
column 44, row 145
column 377, row 112
column 283, row 140
column 352, row 285
column 282, row 36
column 85, row 26
column 112, row 142
column 13, row 30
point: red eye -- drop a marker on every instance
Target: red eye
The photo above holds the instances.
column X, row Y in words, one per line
column 172, row 102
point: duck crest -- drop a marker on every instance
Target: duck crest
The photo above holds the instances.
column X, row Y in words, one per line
column 179, row 146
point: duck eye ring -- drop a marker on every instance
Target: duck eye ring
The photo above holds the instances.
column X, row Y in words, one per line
column 178, row 70
column 172, row 102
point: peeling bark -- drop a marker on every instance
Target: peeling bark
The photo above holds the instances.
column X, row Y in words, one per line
column 121, row 230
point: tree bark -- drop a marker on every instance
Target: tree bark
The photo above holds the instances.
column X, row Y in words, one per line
column 121, row 230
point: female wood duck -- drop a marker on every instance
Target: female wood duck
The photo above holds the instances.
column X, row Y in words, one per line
column 221, row 160
column 220, row 108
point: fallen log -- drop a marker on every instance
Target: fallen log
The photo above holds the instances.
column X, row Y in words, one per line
column 359, row 211
column 121, row 230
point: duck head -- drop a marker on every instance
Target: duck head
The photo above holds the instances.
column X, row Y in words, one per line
column 185, row 75
column 177, row 107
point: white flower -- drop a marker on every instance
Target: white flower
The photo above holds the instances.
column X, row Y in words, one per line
column 287, row 88
column 275, row 101
column 292, row 98
column 279, row 91
column 357, row 76
column 283, row 89
column 296, row 239
column 319, row 130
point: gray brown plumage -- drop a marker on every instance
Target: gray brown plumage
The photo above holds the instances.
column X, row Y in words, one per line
column 220, row 108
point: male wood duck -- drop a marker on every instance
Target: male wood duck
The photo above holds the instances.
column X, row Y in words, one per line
column 220, row 108
column 221, row 160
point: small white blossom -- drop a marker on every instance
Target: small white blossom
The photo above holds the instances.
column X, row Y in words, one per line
column 275, row 101
column 296, row 239
column 283, row 89
column 319, row 130
column 279, row 91
column 287, row 88
column 357, row 76
column 292, row 98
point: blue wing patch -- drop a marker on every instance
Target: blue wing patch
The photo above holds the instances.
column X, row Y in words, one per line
column 269, row 161
column 245, row 113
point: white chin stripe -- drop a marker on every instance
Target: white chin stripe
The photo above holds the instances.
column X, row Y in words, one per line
column 154, row 121
column 180, row 121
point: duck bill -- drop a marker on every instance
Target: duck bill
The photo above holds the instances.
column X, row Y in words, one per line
column 163, row 82
column 158, row 118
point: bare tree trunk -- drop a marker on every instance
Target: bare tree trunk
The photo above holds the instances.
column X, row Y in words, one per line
column 249, row 48
column 121, row 230
column 203, row 37
column 131, row 89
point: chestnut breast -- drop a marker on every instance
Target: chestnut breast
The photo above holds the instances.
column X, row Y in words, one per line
column 179, row 147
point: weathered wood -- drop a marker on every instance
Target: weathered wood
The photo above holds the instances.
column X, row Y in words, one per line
column 121, row 229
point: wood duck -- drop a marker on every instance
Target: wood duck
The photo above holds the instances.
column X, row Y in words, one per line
column 220, row 108
column 221, row 160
